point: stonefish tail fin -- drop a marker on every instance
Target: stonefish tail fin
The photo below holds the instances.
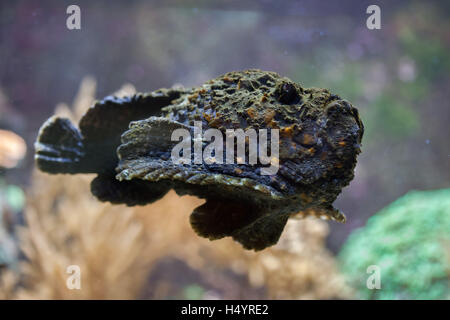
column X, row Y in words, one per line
column 59, row 148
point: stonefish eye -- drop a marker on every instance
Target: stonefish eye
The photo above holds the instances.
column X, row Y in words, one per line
column 288, row 94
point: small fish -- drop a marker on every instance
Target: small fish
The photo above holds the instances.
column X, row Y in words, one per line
column 128, row 143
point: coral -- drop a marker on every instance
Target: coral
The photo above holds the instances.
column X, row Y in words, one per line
column 8, row 284
column 410, row 241
column 298, row 267
column 66, row 227
column 12, row 149
column 117, row 249
column 12, row 200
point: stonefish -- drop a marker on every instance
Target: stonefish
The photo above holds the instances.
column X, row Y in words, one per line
column 128, row 143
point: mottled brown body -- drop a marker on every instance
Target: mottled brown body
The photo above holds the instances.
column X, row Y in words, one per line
column 320, row 137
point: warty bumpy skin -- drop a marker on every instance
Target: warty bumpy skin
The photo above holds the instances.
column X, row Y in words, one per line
column 127, row 142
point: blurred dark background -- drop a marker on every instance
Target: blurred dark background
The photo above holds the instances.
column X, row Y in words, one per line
column 397, row 76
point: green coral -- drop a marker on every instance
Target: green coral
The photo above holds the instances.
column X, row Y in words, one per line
column 12, row 201
column 410, row 241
